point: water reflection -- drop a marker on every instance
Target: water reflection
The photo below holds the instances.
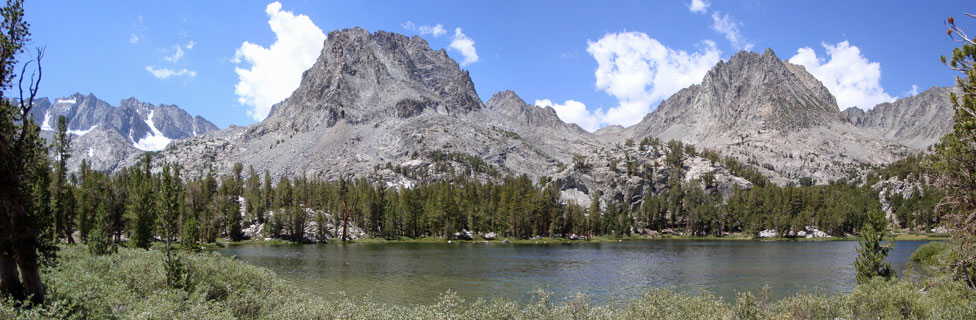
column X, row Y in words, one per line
column 419, row 272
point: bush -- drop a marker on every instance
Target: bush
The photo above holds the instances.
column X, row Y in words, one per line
column 930, row 252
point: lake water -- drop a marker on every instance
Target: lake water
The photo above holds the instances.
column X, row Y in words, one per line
column 406, row 273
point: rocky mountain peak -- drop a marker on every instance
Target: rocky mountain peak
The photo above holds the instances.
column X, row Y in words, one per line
column 765, row 91
column 760, row 108
column 106, row 135
column 362, row 76
column 510, row 105
column 506, row 97
column 917, row 121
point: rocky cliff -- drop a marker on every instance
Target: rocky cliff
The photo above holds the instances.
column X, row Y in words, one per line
column 917, row 121
column 107, row 136
column 766, row 111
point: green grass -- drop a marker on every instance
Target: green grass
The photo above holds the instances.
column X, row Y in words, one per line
column 132, row 285
column 932, row 253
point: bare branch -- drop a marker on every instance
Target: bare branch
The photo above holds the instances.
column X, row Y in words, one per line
column 956, row 33
column 20, row 87
column 32, row 88
column 35, row 85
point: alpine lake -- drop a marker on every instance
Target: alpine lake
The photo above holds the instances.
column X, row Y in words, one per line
column 605, row 272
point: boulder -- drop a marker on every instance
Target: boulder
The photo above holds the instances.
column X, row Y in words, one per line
column 767, row 233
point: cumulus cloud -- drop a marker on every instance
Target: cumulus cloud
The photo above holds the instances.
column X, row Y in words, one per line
column 133, row 39
column 850, row 77
column 164, row 73
column 436, row 31
column 269, row 75
column 640, row 71
column 176, row 56
column 912, row 92
column 573, row 111
column 190, row 45
column 463, row 44
column 729, row 27
column 698, row 6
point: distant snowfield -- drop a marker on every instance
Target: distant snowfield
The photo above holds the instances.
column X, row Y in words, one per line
column 46, row 125
column 82, row 132
column 155, row 140
column 71, row 101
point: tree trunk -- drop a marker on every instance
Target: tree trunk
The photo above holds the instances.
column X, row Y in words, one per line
column 8, row 277
column 30, row 273
column 345, row 221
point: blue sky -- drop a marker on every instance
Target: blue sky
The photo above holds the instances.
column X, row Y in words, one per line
column 596, row 62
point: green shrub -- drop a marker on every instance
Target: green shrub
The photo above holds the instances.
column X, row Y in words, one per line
column 929, row 252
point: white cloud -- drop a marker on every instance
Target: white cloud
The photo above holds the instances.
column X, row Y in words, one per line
column 728, row 26
column 849, row 76
column 134, row 39
column 911, row 92
column 276, row 71
column 698, row 6
column 465, row 46
column 176, row 56
column 190, row 45
column 640, row 71
column 163, row 73
column 573, row 111
column 436, row 31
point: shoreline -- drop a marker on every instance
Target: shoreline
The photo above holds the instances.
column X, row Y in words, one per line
column 224, row 243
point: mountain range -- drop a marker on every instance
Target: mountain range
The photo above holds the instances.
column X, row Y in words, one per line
column 107, row 136
column 388, row 107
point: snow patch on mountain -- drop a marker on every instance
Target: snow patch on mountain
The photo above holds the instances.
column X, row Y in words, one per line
column 46, row 125
column 82, row 132
column 155, row 140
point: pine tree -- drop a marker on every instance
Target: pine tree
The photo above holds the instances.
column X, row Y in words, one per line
column 191, row 232
column 230, row 208
column 87, row 201
column 169, row 207
column 170, row 203
column 872, row 250
column 593, row 214
column 141, row 208
column 267, row 196
column 25, row 235
column 252, row 196
column 956, row 156
column 62, row 202
column 100, row 240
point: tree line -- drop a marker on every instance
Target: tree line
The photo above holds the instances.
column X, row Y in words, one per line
column 142, row 205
